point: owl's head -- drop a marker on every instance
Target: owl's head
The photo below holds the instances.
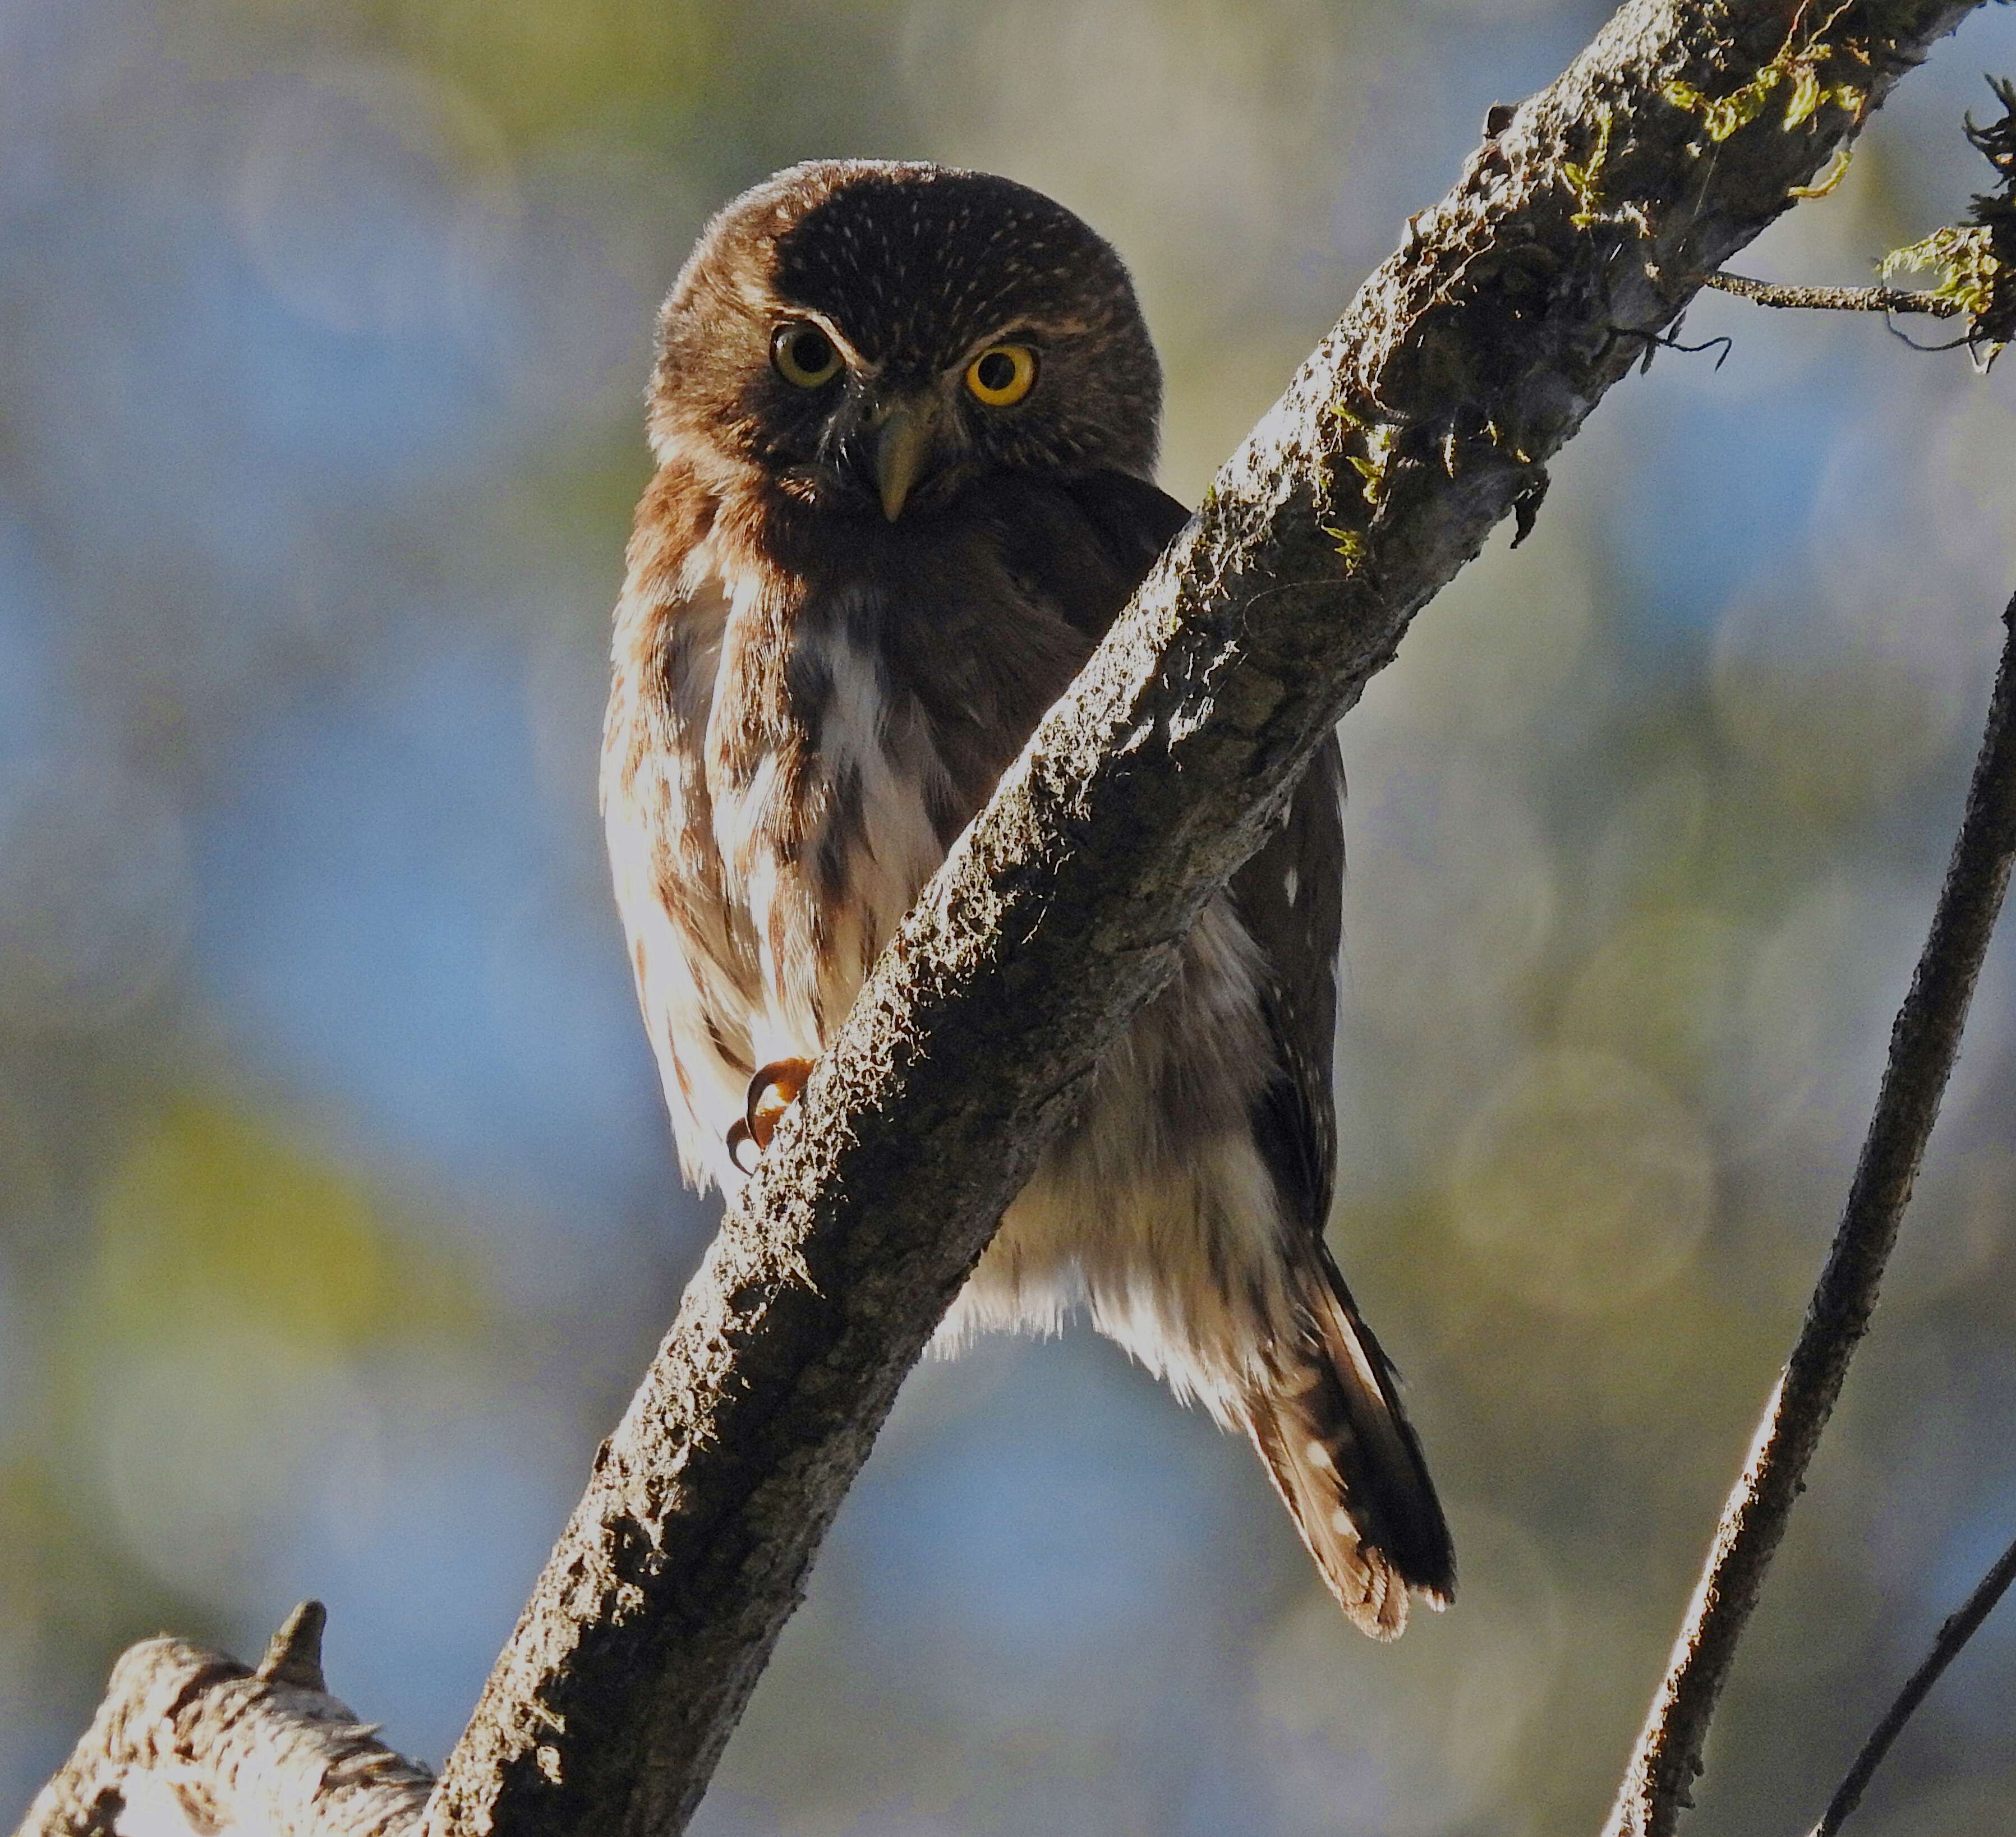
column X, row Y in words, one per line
column 870, row 336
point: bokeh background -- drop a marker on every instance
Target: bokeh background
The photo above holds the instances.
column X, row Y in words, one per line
column 337, row 1213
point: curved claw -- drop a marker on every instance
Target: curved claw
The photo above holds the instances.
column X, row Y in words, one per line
column 772, row 1091
column 739, row 1138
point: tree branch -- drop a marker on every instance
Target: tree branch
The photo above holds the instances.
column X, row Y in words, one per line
column 1425, row 416
column 1923, row 1046
column 1959, row 1627
column 188, row 1739
column 1834, row 299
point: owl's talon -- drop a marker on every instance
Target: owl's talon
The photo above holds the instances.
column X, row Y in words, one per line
column 739, row 1138
column 772, row 1091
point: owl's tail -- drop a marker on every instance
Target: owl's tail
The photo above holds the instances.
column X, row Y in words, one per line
column 1346, row 1461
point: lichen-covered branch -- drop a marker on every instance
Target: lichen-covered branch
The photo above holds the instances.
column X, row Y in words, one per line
column 1975, row 260
column 1924, row 1044
column 1425, row 416
column 187, row 1739
column 1833, row 299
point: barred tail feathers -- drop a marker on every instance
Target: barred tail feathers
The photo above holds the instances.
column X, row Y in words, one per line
column 1328, row 1424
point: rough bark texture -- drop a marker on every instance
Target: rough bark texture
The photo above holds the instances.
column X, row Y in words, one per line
column 188, row 1740
column 1423, row 418
column 1924, row 1044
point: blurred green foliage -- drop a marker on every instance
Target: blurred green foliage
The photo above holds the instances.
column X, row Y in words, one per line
column 208, row 1220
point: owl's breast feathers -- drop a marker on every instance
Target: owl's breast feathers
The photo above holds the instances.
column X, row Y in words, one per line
column 805, row 712
column 806, row 708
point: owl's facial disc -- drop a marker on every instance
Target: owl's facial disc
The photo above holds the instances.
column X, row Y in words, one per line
column 875, row 339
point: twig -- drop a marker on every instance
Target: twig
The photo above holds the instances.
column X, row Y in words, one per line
column 1923, row 1045
column 1834, row 299
column 1959, row 1627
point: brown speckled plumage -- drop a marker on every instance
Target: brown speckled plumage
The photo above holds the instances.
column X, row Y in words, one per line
column 818, row 679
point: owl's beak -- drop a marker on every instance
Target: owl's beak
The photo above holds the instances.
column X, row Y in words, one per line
column 909, row 429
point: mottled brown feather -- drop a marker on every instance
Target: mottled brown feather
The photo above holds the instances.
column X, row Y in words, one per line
column 1334, row 1390
column 810, row 697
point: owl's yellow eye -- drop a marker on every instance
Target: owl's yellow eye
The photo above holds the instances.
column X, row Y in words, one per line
column 804, row 355
column 1001, row 375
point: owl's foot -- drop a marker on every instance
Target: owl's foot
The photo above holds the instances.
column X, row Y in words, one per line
column 772, row 1091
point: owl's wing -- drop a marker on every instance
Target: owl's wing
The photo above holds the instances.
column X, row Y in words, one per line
column 1134, row 520
column 1333, row 1433
column 1291, row 894
column 1332, row 1428
column 1081, row 545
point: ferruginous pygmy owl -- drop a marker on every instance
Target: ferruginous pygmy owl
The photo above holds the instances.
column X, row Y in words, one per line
column 905, row 424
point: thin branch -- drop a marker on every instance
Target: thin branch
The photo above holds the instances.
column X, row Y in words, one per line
column 1923, row 1046
column 190, row 1739
column 1834, row 299
column 1959, row 1627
